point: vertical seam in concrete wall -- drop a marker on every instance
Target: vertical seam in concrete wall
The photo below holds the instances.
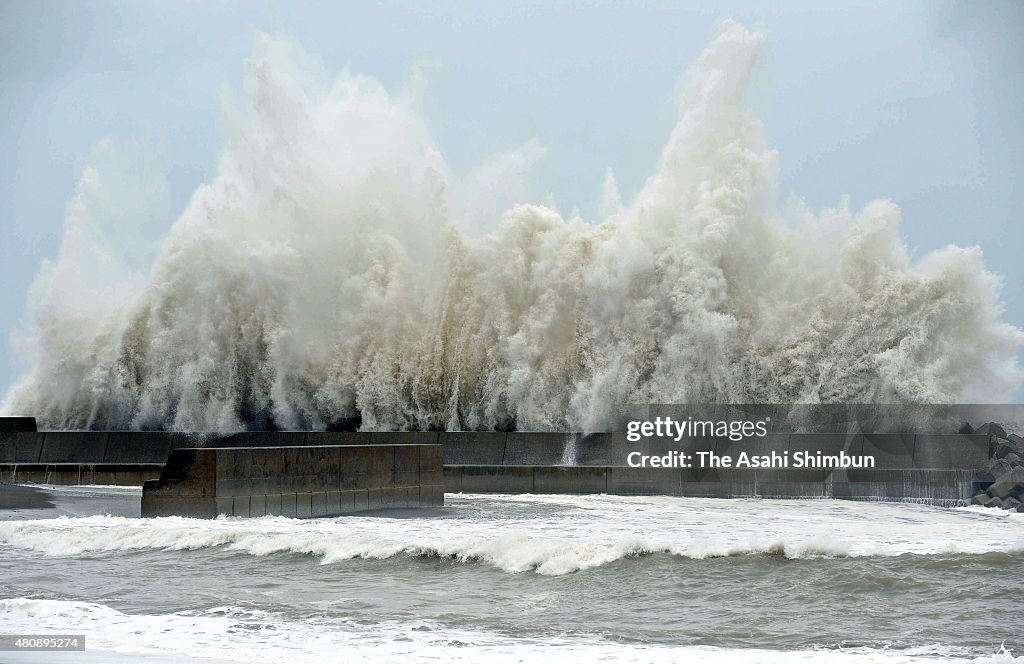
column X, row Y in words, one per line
column 504, row 448
column 39, row 457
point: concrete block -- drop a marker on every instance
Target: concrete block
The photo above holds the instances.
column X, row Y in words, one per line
column 62, row 473
column 358, row 500
column 28, row 446
column 890, row 451
column 734, row 482
column 535, row 449
column 17, row 425
column 354, row 465
column 73, row 447
column 260, row 468
column 318, row 504
column 257, row 439
column 119, row 474
column 190, row 470
column 225, row 505
column 7, row 447
column 991, row 429
column 565, row 479
column 942, row 487
column 372, row 477
column 431, row 468
column 994, row 502
column 1003, row 449
column 951, row 452
column 338, row 438
column 380, row 465
column 333, row 507
column 196, row 507
column 240, row 506
column 791, row 489
column 394, row 497
column 303, row 505
column 497, row 479
column 623, row 480
column 289, row 505
column 234, row 487
column 407, row 458
column 473, row 448
column 184, row 439
column 138, row 447
column 432, row 458
column 403, row 438
column 258, row 505
column 28, row 473
column 878, row 475
column 309, row 468
column 1010, row 484
column 431, row 495
column 452, row 479
column 407, row 465
column 596, row 449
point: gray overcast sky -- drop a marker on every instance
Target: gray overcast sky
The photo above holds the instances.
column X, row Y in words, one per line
column 918, row 102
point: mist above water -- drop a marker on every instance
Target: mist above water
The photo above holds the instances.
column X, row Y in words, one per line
column 323, row 278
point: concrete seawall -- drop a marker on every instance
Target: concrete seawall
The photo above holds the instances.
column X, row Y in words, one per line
column 945, row 469
column 940, row 487
column 940, row 469
column 294, row 481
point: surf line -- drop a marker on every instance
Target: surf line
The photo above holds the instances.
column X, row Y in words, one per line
column 710, row 459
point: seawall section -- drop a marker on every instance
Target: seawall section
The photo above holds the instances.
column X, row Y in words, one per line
column 945, row 469
column 295, row 481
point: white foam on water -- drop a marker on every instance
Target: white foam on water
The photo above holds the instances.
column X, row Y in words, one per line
column 322, row 275
column 555, row 535
column 233, row 634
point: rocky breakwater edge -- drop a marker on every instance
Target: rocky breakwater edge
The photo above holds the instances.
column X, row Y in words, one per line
column 1005, row 471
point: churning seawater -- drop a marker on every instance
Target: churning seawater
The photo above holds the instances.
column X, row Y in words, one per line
column 522, row 578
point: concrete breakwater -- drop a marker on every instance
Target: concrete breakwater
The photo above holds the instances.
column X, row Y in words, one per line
column 940, row 469
column 295, row 481
column 943, row 469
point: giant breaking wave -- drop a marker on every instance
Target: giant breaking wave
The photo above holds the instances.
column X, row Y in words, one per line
column 321, row 279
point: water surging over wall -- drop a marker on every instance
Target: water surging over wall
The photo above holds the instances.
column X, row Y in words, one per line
column 321, row 278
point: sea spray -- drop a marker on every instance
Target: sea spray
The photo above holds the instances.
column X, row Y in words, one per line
column 321, row 279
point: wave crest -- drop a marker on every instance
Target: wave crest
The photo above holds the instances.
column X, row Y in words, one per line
column 321, row 280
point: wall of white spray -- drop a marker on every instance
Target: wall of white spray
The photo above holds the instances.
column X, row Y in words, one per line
column 321, row 277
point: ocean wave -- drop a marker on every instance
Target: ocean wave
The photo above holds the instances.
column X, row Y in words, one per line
column 552, row 535
column 322, row 279
column 239, row 634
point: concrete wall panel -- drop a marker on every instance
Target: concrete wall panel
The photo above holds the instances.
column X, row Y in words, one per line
column 951, row 452
column 890, row 450
column 17, row 424
column 138, row 447
column 536, row 449
column 297, row 481
column 497, row 479
column 473, row 448
column 570, row 479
